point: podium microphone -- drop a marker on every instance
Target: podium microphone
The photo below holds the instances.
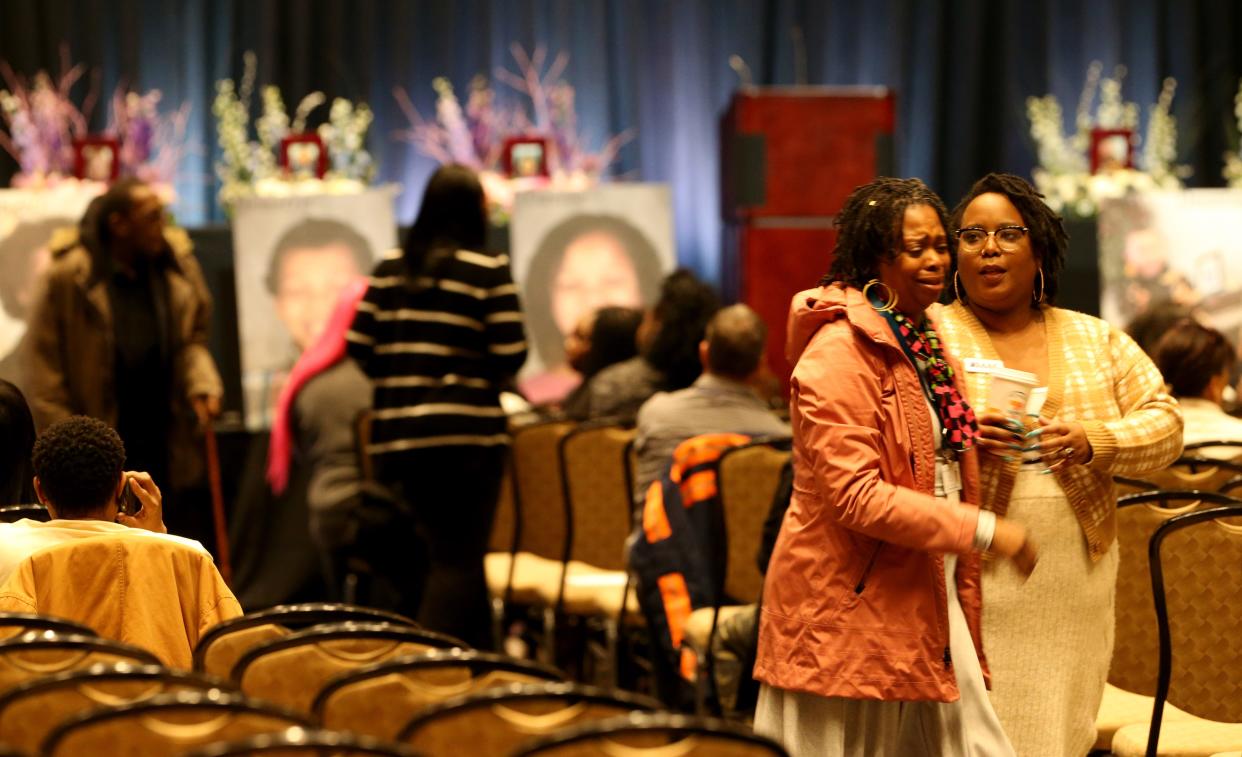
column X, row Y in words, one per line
column 741, row 69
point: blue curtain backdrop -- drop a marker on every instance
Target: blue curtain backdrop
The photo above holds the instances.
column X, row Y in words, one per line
column 961, row 69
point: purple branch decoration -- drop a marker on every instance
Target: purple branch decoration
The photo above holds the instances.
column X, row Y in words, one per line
column 41, row 121
column 476, row 134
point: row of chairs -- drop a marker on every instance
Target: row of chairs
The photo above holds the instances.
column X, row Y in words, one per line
column 64, row 691
column 567, row 510
column 1178, row 588
column 1194, row 471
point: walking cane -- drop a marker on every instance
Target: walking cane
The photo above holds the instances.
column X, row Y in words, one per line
column 217, row 506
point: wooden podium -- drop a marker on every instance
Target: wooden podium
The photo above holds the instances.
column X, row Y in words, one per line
column 790, row 157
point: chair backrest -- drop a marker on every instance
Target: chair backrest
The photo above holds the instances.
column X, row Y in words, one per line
column 595, row 464
column 30, row 711
column 1217, row 450
column 1126, row 486
column 107, row 581
column 14, row 513
column 15, row 623
column 380, row 699
column 1195, row 474
column 497, row 721
column 1136, row 645
column 657, row 734
column 290, row 671
column 168, row 724
column 222, row 646
column 539, row 495
column 747, row 477
column 42, row 653
column 301, row 741
column 1198, row 597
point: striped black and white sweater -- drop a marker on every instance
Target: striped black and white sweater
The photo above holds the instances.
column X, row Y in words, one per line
column 438, row 356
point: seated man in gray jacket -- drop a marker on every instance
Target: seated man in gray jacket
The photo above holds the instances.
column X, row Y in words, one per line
column 721, row 400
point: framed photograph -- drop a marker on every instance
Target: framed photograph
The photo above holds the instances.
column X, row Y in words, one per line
column 96, row 158
column 303, row 156
column 1111, row 150
column 576, row 252
column 526, row 157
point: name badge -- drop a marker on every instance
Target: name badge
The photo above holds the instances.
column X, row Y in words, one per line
column 951, row 478
column 981, row 365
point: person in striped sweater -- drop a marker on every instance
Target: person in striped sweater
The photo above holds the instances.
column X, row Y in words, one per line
column 439, row 332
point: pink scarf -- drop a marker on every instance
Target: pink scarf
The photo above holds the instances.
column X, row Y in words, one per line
column 326, row 352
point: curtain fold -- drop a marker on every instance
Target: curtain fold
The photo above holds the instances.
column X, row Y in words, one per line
column 962, row 70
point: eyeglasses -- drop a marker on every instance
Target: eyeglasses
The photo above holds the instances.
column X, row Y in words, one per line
column 974, row 239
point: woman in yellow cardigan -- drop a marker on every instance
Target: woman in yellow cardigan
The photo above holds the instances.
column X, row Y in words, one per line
column 1049, row 638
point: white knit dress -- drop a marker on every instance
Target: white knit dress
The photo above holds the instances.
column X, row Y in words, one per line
column 1048, row 647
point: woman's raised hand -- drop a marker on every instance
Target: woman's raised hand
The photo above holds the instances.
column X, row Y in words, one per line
column 1061, row 444
column 1000, row 435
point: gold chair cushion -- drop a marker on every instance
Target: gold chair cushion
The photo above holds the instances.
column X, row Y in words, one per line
column 597, row 592
column 1180, row 738
column 1120, row 708
column 699, row 626
column 533, row 576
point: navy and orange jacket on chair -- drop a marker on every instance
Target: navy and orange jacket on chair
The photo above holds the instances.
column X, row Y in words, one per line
column 677, row 552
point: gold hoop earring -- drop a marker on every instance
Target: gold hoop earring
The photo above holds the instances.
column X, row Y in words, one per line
column 887, row 307
column 1040, row 299
column 957, row 276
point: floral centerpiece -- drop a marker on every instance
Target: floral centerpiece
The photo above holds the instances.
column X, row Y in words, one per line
column 1233, row 160
column 249, row 166
column 41, row 123
column 1064, row 172
column 476, row 134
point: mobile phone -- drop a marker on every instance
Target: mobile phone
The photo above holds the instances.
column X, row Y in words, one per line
column 128, row 503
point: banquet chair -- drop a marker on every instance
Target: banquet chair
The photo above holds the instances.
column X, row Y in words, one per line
column 597, row 467
column 290, row 671
column 1132, row 674
column 36, row 654
column 224, row 644
column 30, row 711
column 655, row 734
column 1125, row 486
column 497, row 721
column 517, row 575
column 1195, row 474
column 1233, row 487
column 14, row 623
column 1197, row 590
column 14, row 513
column 379, row 699
column 167, row 724
column 1216, row 450
column 296, row 741
column 502, row 541
column 747, row 477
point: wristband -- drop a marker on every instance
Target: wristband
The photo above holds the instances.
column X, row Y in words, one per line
column 985, row 529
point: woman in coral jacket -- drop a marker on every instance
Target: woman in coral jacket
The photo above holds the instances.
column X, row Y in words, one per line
column 869, row 639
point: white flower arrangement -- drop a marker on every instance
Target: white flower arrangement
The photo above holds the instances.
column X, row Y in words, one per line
column 1233, row 160
column 1063, row 173
column 249, row 167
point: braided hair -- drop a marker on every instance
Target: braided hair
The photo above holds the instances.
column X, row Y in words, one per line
column 869, row 227
column 1049, row 241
